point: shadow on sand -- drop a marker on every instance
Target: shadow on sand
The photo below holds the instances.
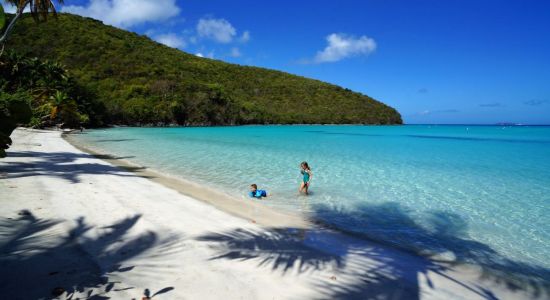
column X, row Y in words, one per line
column 62, row 165
column 40, row 260
column 376, row 271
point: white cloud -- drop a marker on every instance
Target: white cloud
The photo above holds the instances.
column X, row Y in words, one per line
column 209, row 55
column 126, row 13
column 245, row 37
column 440, row 111
column 235, row 52
column 219, row 30
column 170, row 40
column 8, row 7
column 11, row 9
column 424, row 112
column 342, row 46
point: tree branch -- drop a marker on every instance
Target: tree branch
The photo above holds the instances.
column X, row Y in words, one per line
column 12, row 23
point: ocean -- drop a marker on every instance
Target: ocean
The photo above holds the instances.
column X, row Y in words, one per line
column 479, row 194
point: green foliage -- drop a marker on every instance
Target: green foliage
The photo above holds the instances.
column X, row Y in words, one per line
column 139, row 81
column 55, row 96
column 14, row 110
column 2, row 17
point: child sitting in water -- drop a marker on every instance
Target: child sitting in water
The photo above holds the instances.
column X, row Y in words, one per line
column 256, row 193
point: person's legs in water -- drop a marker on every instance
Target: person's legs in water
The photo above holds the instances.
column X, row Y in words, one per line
column 303, row 187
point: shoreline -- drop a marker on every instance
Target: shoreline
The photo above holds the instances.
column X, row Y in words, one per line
column 268, row 216
column 253, row 211
column 265, row 215
column 191, row 246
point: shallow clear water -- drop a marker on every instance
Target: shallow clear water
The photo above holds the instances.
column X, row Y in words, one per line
column 475, row 191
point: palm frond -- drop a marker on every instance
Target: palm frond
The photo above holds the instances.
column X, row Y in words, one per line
column 40, row 9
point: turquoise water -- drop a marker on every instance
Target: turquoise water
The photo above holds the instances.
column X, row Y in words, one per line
column 479, row 193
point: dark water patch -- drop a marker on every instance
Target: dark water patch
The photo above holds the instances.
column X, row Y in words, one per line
column 355, row 134
column 436, row 137
column 477, row 139
column 345, row 133
column 114, row 140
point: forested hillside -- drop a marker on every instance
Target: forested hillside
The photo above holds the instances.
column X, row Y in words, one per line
column 139, row 81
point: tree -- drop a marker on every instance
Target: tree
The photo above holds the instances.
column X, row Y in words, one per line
column 39, row 11
column 135, row 80
column 14, row 110
column 2, row 17
column 58, row 101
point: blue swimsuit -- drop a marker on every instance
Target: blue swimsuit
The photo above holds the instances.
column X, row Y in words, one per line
column 306, row 176
column 258, row 194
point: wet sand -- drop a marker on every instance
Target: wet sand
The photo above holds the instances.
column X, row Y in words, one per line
column 94, row 225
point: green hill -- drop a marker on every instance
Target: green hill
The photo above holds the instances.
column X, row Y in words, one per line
column 143, row 82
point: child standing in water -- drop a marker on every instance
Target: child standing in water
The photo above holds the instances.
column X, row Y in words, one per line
column 306, row 177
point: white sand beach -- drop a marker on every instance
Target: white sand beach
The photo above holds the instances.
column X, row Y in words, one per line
column 71, row 220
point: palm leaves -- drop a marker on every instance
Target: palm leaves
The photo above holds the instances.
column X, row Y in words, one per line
column 32, row 73
column 54, row 93
column 58, row 108
column 65, row 109
column 58, row 101
column 40, row 9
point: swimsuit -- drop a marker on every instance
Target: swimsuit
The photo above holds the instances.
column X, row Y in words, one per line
column 306, row 176
column 258, row 194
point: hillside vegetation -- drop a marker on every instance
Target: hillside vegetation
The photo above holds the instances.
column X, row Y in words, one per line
column 139, row 81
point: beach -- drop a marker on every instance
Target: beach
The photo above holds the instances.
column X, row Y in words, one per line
column 97, row 227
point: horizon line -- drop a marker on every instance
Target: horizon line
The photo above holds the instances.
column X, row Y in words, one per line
column 478, row 124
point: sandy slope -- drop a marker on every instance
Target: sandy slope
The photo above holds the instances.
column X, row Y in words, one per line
column 70, row 220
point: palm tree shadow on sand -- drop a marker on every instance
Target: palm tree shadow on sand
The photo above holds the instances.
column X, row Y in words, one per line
column 39, row 260
column 364, row 270
column 63, row 165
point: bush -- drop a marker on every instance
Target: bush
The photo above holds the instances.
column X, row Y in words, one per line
column 15, row 109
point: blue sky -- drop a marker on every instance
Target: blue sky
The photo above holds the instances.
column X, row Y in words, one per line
column 453, row 61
